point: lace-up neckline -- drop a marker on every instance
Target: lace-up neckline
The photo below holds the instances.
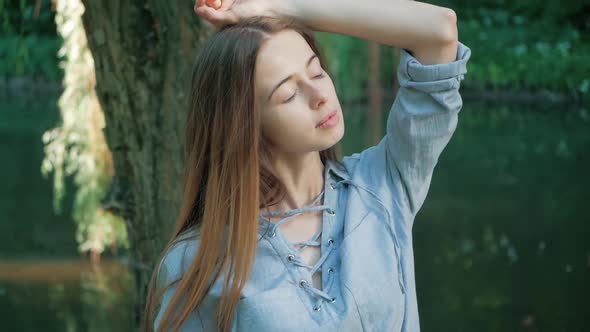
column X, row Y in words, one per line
column 315, row 240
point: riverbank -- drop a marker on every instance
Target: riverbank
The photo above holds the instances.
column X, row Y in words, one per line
column 34, row 86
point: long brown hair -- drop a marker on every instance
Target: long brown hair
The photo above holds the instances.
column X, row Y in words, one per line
column 228, row 177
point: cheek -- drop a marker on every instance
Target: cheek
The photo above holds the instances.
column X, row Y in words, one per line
column 329, row 82
column 287, row 128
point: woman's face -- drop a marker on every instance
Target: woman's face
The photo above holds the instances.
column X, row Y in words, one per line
column 293, row 94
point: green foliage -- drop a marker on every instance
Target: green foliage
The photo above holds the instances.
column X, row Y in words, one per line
column 28, row 40
column 18, row 17
column 511, row 51
column 31, row 55
column 554, row 12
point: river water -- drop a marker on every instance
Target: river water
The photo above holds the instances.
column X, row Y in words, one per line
column 501, row 243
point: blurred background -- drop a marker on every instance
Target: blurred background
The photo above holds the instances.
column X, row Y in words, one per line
column 501, row 243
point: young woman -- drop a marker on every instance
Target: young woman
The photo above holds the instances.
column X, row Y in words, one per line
column 275, row 231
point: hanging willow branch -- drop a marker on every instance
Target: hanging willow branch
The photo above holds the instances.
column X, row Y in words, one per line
column 77, row 147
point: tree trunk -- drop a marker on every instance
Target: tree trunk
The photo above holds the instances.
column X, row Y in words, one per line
column 143, row 53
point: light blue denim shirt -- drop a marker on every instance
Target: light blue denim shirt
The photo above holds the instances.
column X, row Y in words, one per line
column 369, row 203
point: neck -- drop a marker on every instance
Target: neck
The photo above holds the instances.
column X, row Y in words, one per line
column 303, row 177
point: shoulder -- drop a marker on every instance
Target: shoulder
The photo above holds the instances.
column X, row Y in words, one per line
column 373, row 156
column 177, row 258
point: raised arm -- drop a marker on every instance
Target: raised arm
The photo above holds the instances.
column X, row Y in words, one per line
column 428, row 31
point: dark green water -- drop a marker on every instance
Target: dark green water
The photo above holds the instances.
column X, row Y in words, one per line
column 28, row 226
column 501, row 243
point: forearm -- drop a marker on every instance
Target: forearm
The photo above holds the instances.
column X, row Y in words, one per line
column 416, row 26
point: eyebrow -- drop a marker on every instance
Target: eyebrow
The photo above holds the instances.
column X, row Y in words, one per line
column 313, row 56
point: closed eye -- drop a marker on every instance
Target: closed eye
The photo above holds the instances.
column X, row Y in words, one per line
column 293, row 96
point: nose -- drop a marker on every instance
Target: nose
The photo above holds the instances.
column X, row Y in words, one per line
column 318, row 97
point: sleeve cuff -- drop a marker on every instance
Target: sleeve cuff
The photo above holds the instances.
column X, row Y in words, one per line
column 410, row 69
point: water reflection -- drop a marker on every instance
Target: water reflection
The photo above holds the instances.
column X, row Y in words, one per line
column 44, row 286
column 500, row 243
column 65, row 296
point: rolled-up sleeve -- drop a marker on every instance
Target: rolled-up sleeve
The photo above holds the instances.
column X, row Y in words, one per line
column 422, row 120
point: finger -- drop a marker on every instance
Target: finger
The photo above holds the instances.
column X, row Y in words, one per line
column 215, row 17
column 198, row 4
column 225, row 4
column 202, row 12
column 214, row 3
column 232, row 17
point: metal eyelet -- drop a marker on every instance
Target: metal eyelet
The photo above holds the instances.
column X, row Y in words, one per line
column 330, row 242
column 302, row 283
column 331, row 212
column 333, row 300
column 273, row 234
column 317, row 308
column 290, row 257
column 330, row 270
column 332, row 186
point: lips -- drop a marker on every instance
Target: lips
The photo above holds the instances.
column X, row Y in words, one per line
column 326, row 118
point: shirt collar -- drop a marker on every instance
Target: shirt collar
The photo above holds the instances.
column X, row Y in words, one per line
column 337, row 170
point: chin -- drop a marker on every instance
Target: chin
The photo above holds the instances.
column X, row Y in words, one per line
column 333, row 139
column 338, row 133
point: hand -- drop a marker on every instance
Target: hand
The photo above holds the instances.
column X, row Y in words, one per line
column 223, row 12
